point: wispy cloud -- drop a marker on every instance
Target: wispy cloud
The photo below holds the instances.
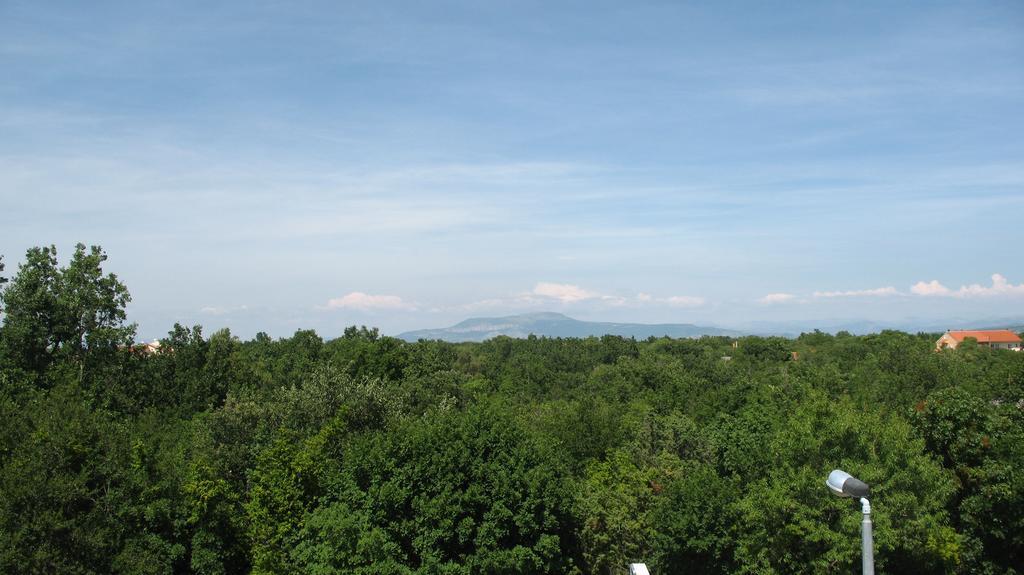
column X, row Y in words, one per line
column 1000, row 287
column 222, row 310
column 378, row 217
column 882, row 291
column 568, row 293
column 683, row 301
column 545, row 294
column 364, row 302
column 774, row 298
column 817, row 153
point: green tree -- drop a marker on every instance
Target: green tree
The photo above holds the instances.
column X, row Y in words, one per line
column 787, row 522
column 983, row 444
column 467, row 492
column 77, row 495
column 364, row 352
column 613, row 504
column 765, row 348
column 691, row 528
column 70, row 317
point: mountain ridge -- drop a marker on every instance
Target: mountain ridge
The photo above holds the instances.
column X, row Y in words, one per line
column 551, row 324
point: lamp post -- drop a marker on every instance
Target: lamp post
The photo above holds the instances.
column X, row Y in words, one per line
column 843, row 484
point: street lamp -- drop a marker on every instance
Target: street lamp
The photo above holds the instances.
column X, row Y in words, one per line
column 843, row 484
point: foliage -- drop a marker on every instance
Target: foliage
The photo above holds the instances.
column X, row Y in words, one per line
column 80, row 495
column 613, row 503
column 64, row 323
column 366, row 454
column 452, row 493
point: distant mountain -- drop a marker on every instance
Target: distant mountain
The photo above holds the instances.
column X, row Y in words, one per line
column 557, row 325
column 863, row 327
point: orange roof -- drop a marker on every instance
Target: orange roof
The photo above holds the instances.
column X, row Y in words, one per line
column 987, row 335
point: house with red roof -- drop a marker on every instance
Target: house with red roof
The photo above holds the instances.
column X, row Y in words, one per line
column 994, row 338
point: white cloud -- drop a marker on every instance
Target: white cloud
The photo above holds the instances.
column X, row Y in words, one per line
column 1000, row 287
column 773, row 298
column 684, row 301
column 565, row 293
column 882, row 291
column 929, row 288
column 364, row 301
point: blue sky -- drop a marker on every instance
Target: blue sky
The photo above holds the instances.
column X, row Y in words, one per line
column 282, row 165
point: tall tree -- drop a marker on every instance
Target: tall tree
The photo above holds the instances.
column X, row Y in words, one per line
column 74, row 314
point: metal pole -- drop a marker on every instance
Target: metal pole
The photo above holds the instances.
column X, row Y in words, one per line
column 867, row 545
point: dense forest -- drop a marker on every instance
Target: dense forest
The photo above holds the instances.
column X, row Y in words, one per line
column 360, row 453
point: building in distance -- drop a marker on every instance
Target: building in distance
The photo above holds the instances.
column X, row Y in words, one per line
column 994, row 338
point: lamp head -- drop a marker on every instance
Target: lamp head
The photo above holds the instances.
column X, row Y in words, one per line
column 843, row 484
